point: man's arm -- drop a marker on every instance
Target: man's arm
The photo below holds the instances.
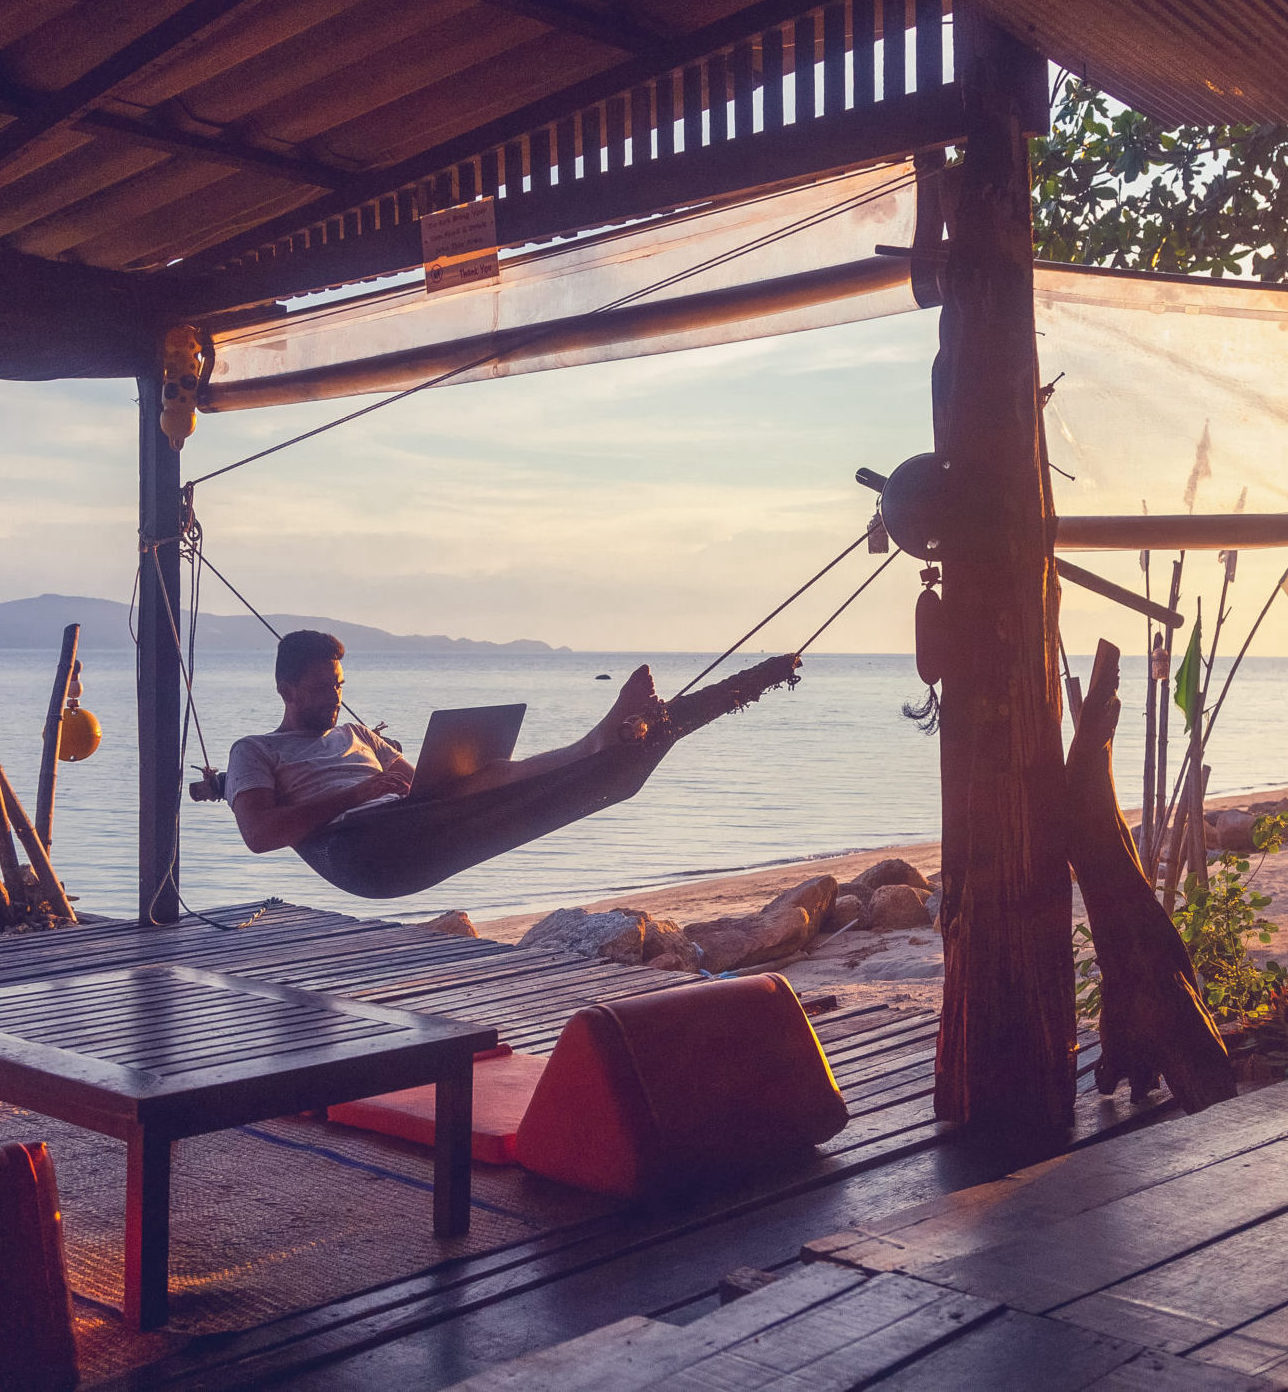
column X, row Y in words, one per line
column 267, row 825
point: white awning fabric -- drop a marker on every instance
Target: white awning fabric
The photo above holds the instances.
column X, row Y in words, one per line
column 787, row 261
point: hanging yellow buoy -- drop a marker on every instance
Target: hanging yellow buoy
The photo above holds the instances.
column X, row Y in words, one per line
column 79, row 731
column 79, row 736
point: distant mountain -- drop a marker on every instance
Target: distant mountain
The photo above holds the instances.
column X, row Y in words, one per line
column 39, row 623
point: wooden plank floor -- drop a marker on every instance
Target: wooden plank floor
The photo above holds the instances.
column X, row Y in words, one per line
column 1152, row 1261
column 451, row 1322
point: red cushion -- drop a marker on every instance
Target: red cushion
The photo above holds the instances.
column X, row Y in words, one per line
column 644, row 1094
column 503, row 1083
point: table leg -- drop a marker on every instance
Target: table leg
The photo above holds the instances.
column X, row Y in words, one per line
column 147, row 1229
column 453, row 1123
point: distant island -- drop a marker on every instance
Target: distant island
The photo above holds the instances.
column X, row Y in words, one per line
column 39, row 623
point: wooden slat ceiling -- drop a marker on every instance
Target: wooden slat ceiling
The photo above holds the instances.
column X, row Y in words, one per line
column 138, row 133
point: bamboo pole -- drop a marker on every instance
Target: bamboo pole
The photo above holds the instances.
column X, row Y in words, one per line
column 50, row 888
column 1164, row 712
column 1151, row 752
column 10, row 870
column 52, row 736
column 1222, row 531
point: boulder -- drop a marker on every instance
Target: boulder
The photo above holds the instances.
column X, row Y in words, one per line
column 1234, row 831
column 629, row 936
column 848, row 909
column 456, row 922
column 784, row 926
column 887, row 872
column 666, row 947
column 899, row 906
column 616, row 935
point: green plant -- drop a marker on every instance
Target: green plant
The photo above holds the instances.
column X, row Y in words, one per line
column 1216, row 924
column 1114, row 187
column 1086, row 974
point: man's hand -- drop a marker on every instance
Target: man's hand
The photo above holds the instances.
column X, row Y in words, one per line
column 267, row 826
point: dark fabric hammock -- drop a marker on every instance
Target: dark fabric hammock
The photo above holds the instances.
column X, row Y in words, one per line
column 405, row 847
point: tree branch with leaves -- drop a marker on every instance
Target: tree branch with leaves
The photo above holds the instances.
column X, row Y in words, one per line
column 1113, row 187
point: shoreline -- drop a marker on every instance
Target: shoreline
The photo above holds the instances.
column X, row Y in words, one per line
column 900, row 969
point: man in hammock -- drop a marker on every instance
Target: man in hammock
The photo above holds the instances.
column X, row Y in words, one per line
column 310, row 771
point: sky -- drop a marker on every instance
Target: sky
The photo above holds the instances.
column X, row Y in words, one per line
column 656, row 504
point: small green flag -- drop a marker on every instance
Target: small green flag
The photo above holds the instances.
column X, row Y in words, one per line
column 1187, row 677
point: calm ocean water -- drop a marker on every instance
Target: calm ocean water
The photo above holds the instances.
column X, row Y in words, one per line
column 829, row 767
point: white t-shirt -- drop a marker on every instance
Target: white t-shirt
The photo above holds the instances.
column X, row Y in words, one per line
column 298, row 766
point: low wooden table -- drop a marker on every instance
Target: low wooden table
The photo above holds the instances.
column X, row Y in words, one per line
column 152, row 1054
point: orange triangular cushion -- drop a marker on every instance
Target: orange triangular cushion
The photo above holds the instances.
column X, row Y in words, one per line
column 503, row 1084
column 695, row 1080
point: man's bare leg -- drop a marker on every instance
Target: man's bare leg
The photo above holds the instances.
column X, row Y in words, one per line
column 638, row 696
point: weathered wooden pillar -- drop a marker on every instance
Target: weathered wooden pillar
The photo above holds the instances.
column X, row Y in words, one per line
column 1006, row 1047
column 158, row 662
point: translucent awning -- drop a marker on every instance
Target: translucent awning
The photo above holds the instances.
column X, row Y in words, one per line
column 1174, row 393
column 787, row 261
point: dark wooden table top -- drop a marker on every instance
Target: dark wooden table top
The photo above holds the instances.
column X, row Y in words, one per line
column 193, row 1051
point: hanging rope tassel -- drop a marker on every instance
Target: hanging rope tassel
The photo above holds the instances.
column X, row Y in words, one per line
column 931, row 652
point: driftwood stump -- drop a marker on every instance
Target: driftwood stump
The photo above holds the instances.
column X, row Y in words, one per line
column 1152, row 1018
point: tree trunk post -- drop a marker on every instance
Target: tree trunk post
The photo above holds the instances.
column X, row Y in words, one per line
column 1007, row 1042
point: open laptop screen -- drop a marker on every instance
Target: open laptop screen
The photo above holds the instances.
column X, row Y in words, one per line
column 459, row 742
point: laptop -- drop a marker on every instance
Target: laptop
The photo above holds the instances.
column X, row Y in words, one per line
column 459, row 742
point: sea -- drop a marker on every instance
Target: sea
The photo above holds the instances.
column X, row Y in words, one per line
column 829, row 767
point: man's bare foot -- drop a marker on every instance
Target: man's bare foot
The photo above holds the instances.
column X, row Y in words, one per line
column 638, row 697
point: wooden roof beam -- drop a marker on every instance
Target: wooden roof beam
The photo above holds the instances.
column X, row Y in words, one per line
column 173, row 139
column 63, row 107
column 220, row 147
column 614, row 32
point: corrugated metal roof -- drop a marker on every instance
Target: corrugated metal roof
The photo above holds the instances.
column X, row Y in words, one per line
column 1194, row 62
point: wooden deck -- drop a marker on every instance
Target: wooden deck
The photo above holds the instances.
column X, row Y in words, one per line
column 1154, row 1261
column 466, row 1315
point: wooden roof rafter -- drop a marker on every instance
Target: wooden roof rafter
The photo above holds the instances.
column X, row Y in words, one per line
column 615, row 31
column 39, row 117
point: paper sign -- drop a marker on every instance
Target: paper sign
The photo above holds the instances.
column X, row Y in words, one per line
column 459, row 247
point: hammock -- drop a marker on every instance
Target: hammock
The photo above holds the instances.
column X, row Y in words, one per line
column 402, row 848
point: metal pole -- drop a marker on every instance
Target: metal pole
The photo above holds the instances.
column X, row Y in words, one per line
column 158, row 674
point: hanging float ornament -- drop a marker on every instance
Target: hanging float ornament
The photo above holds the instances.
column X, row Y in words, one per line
column 181, row 376
column 930, row 629
column 80, row 732
column 932, row 642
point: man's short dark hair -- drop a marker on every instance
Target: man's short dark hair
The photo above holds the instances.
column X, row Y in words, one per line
column 298, row 651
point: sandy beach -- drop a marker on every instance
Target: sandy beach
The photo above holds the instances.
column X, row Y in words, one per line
column 897, row 968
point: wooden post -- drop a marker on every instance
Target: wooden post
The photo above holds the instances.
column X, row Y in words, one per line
column 51, row 735
column 1007, row 1041
column 158, row 662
